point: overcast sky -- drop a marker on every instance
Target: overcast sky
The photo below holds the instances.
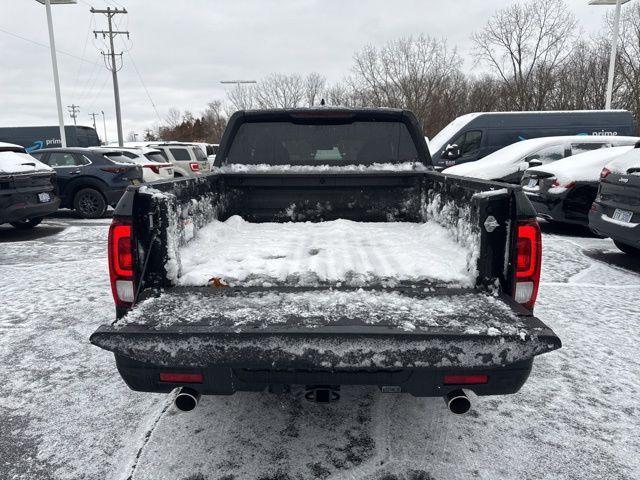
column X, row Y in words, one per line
column 184, row 48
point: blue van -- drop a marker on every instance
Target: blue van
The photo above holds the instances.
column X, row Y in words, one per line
column 36, row 138
column 476, row 135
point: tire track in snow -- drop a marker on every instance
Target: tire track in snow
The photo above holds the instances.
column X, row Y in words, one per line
column 147, row 436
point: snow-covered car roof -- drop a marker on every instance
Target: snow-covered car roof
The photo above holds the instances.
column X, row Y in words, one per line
column 14, row 159
column 138, row 150
column 583, row 167
column 502, row 162
column 630, row 159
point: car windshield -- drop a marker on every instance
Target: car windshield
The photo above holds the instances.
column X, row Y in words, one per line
column 357, row 143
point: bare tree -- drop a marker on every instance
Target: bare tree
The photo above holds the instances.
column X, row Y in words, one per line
column 173, row 118
column 314, row 86
column 280, row 91
column 214, row 121
column 525, row 44
column 242, row 97
column 407, row 73
column 627, row 91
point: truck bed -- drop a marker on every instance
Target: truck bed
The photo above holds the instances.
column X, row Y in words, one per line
column 338, row 251
column 327, row 329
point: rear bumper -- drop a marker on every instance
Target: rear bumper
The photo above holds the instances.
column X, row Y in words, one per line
column 419, row 382
column 21, row 209
column 600, row 223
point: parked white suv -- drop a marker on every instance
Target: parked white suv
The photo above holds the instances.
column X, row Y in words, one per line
column 188, row 160
column 155, row 165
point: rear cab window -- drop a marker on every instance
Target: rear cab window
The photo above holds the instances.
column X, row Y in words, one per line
column 356, row 143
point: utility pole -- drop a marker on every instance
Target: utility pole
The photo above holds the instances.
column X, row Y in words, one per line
column 104, row 123
column 93, row 116
column 111, row 34
column 73, row 111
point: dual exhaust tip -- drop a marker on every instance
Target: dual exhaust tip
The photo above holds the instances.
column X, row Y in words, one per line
column 456, row 400
column 187, row 399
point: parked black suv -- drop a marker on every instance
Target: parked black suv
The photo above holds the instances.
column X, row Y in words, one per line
column 616, row 210
column 26, row 188
column 88, row 181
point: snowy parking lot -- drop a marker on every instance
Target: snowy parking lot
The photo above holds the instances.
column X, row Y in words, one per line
column 66, row 414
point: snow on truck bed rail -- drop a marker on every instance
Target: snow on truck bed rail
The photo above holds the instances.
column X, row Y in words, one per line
column 240, row 253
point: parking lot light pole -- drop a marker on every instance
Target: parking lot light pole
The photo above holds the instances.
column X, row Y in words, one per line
column 614, row 44
column 54, row 62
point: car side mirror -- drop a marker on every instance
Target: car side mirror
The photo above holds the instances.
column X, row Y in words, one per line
column 452, row 152
column 534, row 162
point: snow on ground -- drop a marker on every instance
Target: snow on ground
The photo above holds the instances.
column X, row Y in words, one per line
column 67, row 415
column 306, row 253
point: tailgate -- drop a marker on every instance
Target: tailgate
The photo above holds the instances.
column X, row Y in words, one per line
column 329, row 329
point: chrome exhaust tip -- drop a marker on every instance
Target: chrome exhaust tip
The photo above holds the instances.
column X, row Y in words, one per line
column 457, row 402
column 187, row 399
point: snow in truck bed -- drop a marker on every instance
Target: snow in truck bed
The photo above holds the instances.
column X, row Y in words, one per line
column 336, row 252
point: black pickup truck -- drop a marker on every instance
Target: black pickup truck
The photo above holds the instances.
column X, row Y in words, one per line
column 323, row 250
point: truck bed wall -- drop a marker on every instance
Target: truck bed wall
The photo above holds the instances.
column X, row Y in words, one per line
column 167, row 216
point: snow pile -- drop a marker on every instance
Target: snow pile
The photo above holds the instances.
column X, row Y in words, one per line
column 339, row 251
column 585, row 167
column 263, row 168
column 18, row 162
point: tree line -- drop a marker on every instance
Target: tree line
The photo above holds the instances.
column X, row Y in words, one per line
column 528, row 56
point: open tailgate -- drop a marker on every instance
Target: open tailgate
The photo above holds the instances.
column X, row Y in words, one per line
column 346, row 329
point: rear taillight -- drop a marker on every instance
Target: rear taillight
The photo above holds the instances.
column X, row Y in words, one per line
column 115, row 169
column 477, row 379
column 568, row 186
column 153, row 168
column 194, row 166
column 528, row 263
column 121, row 261
column 605, row 172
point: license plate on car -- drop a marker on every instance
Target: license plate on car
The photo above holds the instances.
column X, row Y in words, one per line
column 622, row 215
column 170, row 171
column 44, row 197
column 532, row 182
column 135, row 181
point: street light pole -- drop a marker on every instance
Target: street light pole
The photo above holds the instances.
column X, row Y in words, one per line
column 614, row 45
column 54, row 63
column 104, row 123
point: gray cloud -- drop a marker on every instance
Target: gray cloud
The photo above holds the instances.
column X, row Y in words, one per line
column 183, row 48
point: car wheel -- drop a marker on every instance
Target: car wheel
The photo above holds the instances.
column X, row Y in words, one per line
column 628, row 249
column 89, row 203
column 27, row 223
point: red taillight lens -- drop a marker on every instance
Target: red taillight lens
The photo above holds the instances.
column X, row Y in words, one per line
column 194, row 166
column 466, row 379
column 153, row 168
column 115, row 169
column 605, row 172
column 528, row 263
column 172, row 377
column 121, row 265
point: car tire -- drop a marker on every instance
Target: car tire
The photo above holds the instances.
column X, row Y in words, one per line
column 89, row 203
column 628, row 249
column 27, row 223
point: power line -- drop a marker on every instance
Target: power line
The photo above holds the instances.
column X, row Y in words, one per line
column 46, row 45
